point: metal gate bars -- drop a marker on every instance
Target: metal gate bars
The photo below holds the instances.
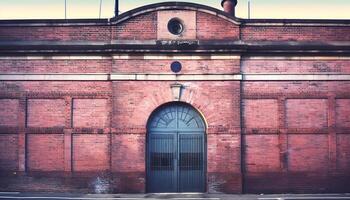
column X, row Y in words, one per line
column 176, row 150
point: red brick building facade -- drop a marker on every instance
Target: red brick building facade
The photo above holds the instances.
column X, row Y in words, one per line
column 76, row 98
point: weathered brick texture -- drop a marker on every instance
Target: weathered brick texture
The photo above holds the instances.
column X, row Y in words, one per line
column 46, row 113
column 210, row 27
column 305, row 140
column 143, row 27
column 8, row 153
column 51, row 89
column 308, row 153
column 204, row 66
column 132, row 145
column 307, row 113
column 342, row 113
column 90, row 113
column 135, row 108
column 91, row 152
column 260, row 113
column 55, row 33
column 55, row 66
column 261, row 136
column 295, row 33
column 224, row 163
column 343, row 150
column 9, row 112
column 45, row 152
column 297, row 65
column 262, row 153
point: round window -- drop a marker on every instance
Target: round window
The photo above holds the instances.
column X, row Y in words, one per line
column 175, row 26
column 176, row 67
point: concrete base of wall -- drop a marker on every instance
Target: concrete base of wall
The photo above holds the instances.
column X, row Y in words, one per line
column 87, row 182
column 296, row 182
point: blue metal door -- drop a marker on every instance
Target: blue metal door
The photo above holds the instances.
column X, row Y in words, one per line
column 176, row 153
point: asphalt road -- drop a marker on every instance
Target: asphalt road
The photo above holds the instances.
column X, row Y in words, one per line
column 183, row 196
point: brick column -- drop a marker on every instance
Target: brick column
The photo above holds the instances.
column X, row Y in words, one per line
column 68, row 134
column 22, row 134
column 332, row 135
column 110, row 117
column 283, row 136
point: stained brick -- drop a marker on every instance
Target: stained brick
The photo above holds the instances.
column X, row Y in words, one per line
column 132, row 145
column 90, row 152
column 55, row 66
column 295, row 66
column 308, row 153
column 210, row 27
column 262, row 153
column 45, row 152
column 90, row 113
column 46, row 113
column 292, row 147
column 9, row 152
column 295, row 33
column 343, row 153
column 307, row 113
column 260, row 113
column 343, row 113
column 9, row 109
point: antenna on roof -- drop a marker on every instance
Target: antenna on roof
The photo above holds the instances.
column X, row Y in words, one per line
column 65, row 9
column 99, row 15
column 248, row 9
column 116, row 8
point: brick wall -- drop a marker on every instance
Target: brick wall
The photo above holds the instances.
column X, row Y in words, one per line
column 90, row 113
column 306, row 113
column 188, row 66
column 303, row 144
column 294, row 33
column 8, row 153
column 142, row 27
column 55, row 33
column 308, row 153
column 262, row 136
column 311, row 135
column 260, row 113
column 135, row 108
column 262, row 153
column 342, row 113
column 343, row 157
column 91, row 152
column 297, row 65
column 210, row 27
column 55, row 66
column 9, row 112
column 45, row 152
column 46, row 113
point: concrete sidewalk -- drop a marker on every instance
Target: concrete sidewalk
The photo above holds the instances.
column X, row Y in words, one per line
column 180, row 196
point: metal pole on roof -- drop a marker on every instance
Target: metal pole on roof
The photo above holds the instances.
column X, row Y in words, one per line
column 99, row 15
column 65, row 9
column 248, row 9
column 116, row 8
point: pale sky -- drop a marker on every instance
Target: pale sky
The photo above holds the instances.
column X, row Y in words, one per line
column 54, row 9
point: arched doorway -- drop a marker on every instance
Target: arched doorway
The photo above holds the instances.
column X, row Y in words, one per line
column 176, row 149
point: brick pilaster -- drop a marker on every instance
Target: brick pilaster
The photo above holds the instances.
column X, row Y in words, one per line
column 68, row 134
column 283, row 136
column 22, row 120
column 332, row 135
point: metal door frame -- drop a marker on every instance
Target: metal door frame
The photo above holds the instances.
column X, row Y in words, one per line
column 176, row 142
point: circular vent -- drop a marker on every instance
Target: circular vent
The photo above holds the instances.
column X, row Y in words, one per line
column 175, row 26
column 176, row 67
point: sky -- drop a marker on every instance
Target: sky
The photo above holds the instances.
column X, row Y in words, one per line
column 283, row 9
